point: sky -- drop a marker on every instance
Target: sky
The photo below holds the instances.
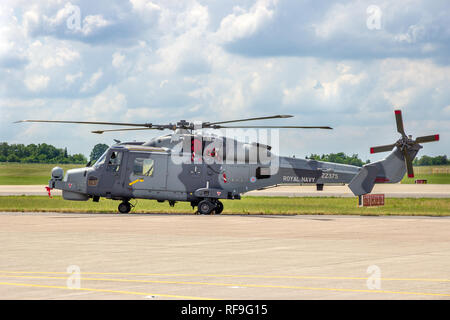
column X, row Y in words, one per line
column 345, row 64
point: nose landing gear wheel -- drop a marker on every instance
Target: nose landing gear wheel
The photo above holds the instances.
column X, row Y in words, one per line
column 124, row 207
column 205, row 207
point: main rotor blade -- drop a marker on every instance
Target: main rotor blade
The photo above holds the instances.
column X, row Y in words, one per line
column 91, row 122
column 382, row 148
column 128, row 129
column 399, row 120
column 409, row 165
column 274, row 127
column 248, row 119
column 425, row 139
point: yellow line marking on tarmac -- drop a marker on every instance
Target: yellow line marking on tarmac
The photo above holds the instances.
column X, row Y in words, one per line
column 102, row 290
column 239, row 285
column 137, row 180
column 230, row 276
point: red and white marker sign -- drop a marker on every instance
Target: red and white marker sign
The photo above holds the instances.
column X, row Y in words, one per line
column 372, row 200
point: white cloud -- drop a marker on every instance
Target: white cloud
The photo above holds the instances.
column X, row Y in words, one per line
column 70, row 78
column 144, row 114
column 144, row 5
column 12, row 37
column 31, row 20
column 118, row 60
column 403, row 81
column 243, row 23
column 329, row 92
column 341, row 18
column 195, row 18
column 109, row 101
column 60, row 57
column 94, row 23
column 92, row 81
column 106, row 105
column 180, row 48
column 36, row 82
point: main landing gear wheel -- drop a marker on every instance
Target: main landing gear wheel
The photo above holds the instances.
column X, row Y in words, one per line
column 124, row 207
column 205, row 207
column 219, row 207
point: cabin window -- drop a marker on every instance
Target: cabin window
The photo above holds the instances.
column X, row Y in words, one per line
column 114, row 161
column 143, row 167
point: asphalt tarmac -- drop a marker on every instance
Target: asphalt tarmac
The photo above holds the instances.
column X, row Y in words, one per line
column 162, row 256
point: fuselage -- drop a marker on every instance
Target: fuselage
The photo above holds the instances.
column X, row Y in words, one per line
column 185, row 167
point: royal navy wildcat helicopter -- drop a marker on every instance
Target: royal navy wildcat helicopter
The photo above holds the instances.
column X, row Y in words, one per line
column 203, row 169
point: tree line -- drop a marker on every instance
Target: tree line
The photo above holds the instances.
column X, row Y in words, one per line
column 431, row 161
column 340, row 157
column 354, row 160
column 38, row 153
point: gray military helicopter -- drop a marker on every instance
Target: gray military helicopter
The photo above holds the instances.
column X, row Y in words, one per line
column 204, row 168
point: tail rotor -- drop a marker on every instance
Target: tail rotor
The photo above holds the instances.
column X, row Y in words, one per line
column 405, row 143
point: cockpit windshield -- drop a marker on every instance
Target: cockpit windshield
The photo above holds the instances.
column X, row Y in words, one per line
column 101, row 160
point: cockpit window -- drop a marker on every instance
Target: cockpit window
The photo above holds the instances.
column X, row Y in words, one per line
column 100, row 160
column 114, row 161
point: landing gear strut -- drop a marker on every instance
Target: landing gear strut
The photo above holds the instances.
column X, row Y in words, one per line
column 124, row 207
column 219, row 207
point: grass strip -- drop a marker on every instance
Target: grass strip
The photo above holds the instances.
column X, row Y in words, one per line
column 248, row 205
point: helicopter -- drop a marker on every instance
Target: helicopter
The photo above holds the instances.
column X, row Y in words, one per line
column 204, row 169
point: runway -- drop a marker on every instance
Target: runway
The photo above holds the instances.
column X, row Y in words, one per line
column 390, row 191
column 161, row 256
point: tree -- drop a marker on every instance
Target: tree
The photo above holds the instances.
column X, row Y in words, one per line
column 97, row 151
column 13, row 158
column 78, row 158
column 431, row 161
column 42, row 153
column 339, row 158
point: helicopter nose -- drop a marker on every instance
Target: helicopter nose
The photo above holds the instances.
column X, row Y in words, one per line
column 75, row 185
column 77, row 177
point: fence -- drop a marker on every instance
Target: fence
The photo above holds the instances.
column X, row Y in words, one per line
column 432, row 170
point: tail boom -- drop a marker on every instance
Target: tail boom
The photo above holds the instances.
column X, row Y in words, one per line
column 390, row 170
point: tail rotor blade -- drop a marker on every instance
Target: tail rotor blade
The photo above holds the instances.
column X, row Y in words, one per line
column 409, row 165
column 385, row 148
column 399, row 120
column 425, row 139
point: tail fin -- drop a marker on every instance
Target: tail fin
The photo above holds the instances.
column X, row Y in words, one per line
column 390, row 170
